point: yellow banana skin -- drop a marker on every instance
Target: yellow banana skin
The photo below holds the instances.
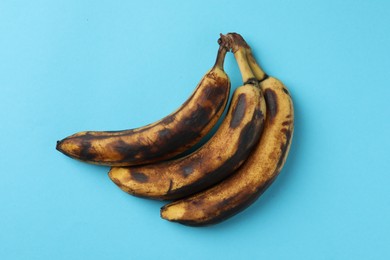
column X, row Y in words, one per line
column 163, row 139
column 214, row 161
column 241, row 189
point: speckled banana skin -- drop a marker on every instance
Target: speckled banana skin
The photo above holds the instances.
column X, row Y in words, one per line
column 163, row 139
column 214, row 161
column 240, row 190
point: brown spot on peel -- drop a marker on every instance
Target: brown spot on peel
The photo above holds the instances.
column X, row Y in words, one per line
column 130, row 151
column 201, row 114
column 170, row 186
column 164, row 133
column 139, row 177
column 167, row 120
column 186, row 170
column 286, row 91
column 272, row 103
column 284, row 147
column 238, row 111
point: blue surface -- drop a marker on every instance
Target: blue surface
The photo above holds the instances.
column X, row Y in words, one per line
column 67, row 66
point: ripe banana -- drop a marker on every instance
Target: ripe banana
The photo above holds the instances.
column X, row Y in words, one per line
column 241, row 189
column 214, row 161
column 163, row 139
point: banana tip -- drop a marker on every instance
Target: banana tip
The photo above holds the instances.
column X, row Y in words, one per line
column 58, row 146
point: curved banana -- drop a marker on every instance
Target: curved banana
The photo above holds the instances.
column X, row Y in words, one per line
column 241, row 189
column 214, row 161
column 163, row 139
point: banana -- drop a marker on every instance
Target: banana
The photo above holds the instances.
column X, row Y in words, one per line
column 241, row 189
column 227, row 149
column 163, row 139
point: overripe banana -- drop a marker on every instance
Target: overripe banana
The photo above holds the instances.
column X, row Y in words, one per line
column 163, row 139
column 227, row 149
column 241, row 189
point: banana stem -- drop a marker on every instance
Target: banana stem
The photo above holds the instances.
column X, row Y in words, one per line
column 220, row 57
column 246, row 71
column 256, row 69
column 237, row 45
column 236, row 42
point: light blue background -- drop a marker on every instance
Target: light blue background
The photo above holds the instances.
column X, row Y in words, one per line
column 67, row 66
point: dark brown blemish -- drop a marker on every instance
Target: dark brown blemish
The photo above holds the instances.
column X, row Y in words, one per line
column 286, row 91
column 197, row 203
column 287, row 133
column 85, row 151
column 286, row 123
column 164, row 133
column 251, row 132
column 272, row 103
column 168, row 119
column 219, row 90
column 186, row 170
column 284, row 146
column 225, row 203
column 130, row 151
column 198, row 117
column 209, row 91
column 170, row 186
column 139, row 177
column 259, row 115
column 238, row 111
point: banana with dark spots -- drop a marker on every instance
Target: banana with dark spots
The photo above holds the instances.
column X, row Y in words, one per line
column 163, row 139
column 227, row 149
column 242, row 188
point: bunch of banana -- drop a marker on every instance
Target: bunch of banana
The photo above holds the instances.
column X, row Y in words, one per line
column 227, row 173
